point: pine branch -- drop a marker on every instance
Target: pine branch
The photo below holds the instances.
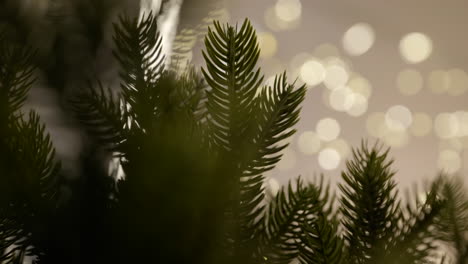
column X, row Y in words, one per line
column 244, row 128
column 321, row 243
column 369, row 205
column 139, row 53
column 414, row 240
column 287, row 214
column 453, row 226
column 103, row 114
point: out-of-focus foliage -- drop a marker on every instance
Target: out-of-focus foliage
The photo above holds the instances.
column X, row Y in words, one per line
column 192, row 150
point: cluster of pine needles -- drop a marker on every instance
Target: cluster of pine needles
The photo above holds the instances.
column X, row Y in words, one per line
column 192, row 149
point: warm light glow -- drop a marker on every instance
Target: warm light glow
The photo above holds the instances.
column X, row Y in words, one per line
column 342, row 99
column 449, row 161
column 341, row 146
column 328, row 129
column 329, row 159
column 268, row 44
column 462, row 120
column 288, row 160
column 336, row 76
column 309, row 143
column 438, row 81
column 458, row 82
column 358, row 39
column 273, row 22
column 359, row 106
column 288, row 10
column 422, row 124
column 446, row 125
column 415, row 47
column 312, row 72
column 398, row 118
column 409, row 81
column 360, row 86
column 273, row 186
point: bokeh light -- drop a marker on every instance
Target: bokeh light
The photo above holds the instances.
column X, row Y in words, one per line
column 288, row 10
column 312, row 72
column 360, row 85
column 341, row 146
column 462, row 120
column 438, row 81
column 342, row 99
column 415, row 47
column 458, row 82
column 446, row 125
column 449, row 161
column 328, row 129
column 273, row 187
column 309, row 142
column 336, row 76
column 329, row 159
column 409, row 81
column 358, row 39
column 398, row 118
column 275, row 24
column 422, row 124
column 268, row 44
column 359, row 106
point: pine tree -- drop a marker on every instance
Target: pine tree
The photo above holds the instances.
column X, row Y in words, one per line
column 193, row 150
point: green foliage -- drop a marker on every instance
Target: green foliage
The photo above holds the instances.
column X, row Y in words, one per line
column 29, row 182
column 369, row 205
column 193, row 150
column 454, row 224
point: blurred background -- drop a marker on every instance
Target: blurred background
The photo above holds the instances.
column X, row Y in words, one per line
column 394, row 71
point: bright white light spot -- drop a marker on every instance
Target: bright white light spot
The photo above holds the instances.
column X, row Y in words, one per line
column 360, row 86
column 374, row 124
column 409, row 81
column 398, row 118
column 328, row 129
column 358, row 39
column 415, row 47
column 462, row 120
column 309, row 143
column 336, row 76
column 312, row 72
column 341, row 146
column 359, row 106
column 329, row 159
column 446, row 125
column 449, row 161
column 288, row 160
column 458, row 82
column 288, row 10
column 268, row 44
column 341, row 99
column 438, row 81
column 274, row 23
column 422, row 124
column 273, row 187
